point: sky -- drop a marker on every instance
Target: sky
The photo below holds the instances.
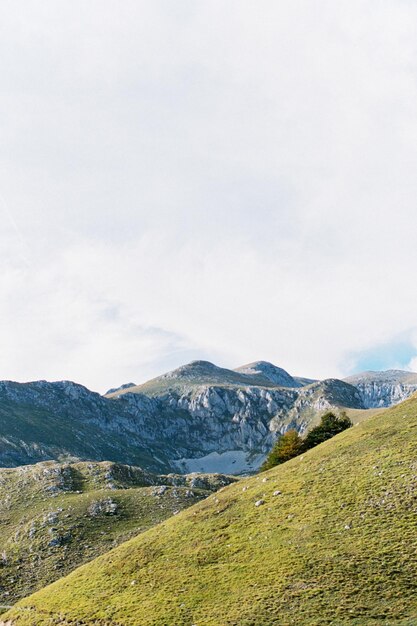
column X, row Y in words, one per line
column 227, row 180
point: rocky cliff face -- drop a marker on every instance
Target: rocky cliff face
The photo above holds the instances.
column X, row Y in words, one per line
column 197, row 418
column 226, row 420
column 384, row 389
column 233, row 429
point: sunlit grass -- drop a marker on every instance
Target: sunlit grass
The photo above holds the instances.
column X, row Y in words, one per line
column 338, row 546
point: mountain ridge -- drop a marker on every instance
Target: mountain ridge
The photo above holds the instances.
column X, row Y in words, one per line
column 197, row 418
column 258, row 373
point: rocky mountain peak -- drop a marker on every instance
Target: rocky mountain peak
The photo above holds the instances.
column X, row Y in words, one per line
column 273, row 374
column 393, row 375
column 194, row 369
column 121, row 388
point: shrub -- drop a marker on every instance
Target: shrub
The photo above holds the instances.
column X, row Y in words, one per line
column 287, row 447
column 330, row 425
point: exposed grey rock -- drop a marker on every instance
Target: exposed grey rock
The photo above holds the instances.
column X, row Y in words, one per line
column 60, row 540
column 103, row 507
column 159, row 491
column 159, row 431
column 384, row 389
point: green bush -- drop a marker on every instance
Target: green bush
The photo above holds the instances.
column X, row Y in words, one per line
column 330, row 425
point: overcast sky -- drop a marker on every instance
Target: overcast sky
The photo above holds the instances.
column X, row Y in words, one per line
column 218, row 179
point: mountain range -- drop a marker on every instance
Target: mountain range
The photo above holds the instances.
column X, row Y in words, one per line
column 199, row 417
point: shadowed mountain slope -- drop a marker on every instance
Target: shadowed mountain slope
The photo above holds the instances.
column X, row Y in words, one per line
column 63, row 421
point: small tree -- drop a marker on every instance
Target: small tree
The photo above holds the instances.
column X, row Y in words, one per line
column 287, row 447
column 330, row 425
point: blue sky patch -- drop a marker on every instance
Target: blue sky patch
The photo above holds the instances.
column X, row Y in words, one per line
column 395, row 354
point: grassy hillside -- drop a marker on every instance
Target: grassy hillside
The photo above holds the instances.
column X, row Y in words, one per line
column 332, row 541
column 56, row 517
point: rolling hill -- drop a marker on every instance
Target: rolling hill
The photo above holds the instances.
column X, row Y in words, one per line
column 55, row 517
column 327, row 538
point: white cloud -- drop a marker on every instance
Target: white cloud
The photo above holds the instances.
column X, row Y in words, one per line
column 231, row 180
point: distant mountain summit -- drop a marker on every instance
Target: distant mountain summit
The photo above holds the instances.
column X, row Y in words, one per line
column 390, row 376
column 269, row 373
column 258, row 374
column 117, row 389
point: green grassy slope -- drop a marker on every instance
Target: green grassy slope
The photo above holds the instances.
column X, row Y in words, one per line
column 56, row 517
column 337, row 545
column 358, row 415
